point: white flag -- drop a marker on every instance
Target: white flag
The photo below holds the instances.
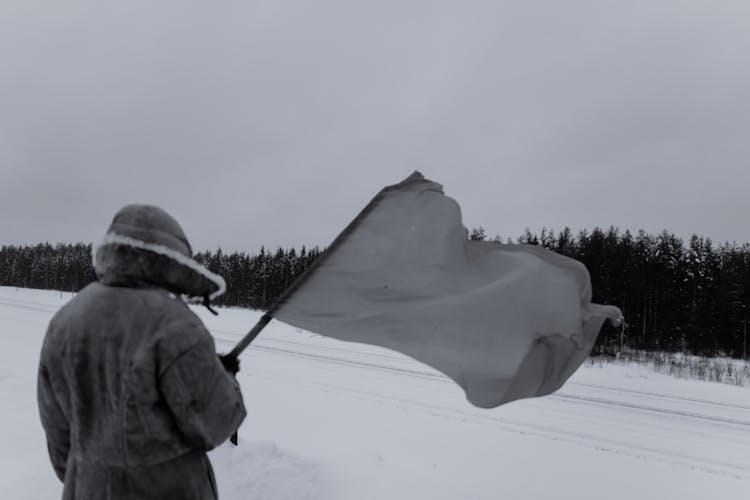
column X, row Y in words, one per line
column 503, row 321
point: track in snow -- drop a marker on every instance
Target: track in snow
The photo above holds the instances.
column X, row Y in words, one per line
column 711, row 436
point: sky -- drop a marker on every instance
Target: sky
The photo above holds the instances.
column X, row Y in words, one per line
column 274, row 122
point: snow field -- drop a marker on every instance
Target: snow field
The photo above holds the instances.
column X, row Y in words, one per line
column 334, row 420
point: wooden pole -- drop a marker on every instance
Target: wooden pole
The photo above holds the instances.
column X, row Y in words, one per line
column 250, row 336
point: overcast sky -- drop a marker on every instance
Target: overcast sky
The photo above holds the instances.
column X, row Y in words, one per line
column 274, row 122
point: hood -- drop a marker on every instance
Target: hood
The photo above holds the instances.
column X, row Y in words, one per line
column 146, row 247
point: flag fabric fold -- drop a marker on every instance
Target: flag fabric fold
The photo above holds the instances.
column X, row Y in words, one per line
column 503, row 321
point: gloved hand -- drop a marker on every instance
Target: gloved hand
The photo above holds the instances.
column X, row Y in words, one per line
column 231, row 364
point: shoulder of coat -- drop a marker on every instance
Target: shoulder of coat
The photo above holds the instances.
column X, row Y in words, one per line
column 179, row 318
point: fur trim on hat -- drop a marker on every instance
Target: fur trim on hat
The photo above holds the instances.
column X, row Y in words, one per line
column 136, row 272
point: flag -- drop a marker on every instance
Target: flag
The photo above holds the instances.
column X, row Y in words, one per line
column 503, row 321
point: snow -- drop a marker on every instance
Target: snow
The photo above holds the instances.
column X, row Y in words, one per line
column 341, row 421
column 259, row 470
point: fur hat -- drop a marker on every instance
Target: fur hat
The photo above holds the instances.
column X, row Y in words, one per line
column 145, row 246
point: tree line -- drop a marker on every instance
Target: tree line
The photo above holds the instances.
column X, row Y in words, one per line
column 256, row 281
column 253, row 281
column 676, row 295
column 689, row 296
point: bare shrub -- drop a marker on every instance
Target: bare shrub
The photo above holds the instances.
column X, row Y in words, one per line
column 685, row 366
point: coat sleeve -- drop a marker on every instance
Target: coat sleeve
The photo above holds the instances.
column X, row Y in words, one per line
column 204, row 399
column 54, row 422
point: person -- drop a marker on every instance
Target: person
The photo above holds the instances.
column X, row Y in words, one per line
column 131, row 391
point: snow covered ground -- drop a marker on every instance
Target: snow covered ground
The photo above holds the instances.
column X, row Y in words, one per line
column 340, row 421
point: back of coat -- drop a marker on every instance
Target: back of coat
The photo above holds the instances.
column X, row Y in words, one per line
column 132, row 395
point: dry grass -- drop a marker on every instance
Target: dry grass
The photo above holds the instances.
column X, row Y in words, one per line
column 686, row 366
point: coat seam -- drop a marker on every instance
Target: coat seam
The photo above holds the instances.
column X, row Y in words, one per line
column 179, row 356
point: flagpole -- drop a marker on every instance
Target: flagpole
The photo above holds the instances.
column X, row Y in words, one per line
column 250, row 336
column 296, row 284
